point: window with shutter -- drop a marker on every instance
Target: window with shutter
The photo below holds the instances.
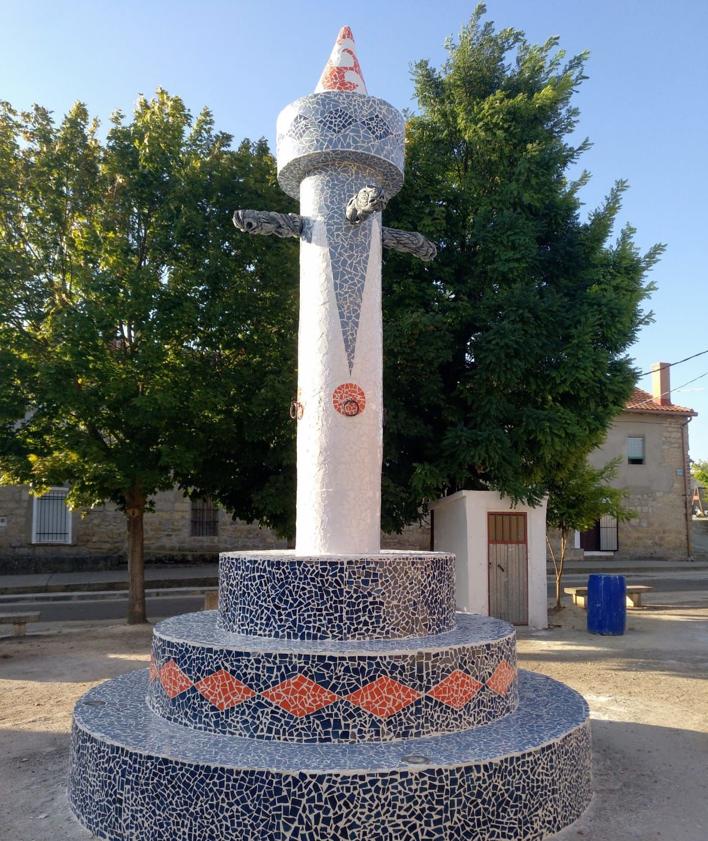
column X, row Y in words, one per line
column 635, row 449
column 51, row 519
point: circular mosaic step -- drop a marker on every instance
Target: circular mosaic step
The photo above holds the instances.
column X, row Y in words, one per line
column 384, row 596
column 333, row 690
column 134, row 775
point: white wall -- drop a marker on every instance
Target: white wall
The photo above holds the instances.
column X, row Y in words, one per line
column 461, row 527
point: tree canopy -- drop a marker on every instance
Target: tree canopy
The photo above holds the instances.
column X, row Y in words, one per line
column 699, row 470
column 145, row 343
column 139, row 346
column 508, row 353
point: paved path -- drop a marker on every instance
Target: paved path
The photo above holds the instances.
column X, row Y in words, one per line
column 680, row 588
column 646, row 691
column 661, row 582
column 50, row 593
column 115, row 609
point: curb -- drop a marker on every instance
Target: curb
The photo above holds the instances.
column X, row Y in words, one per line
column 103, row 595
column 106, row 586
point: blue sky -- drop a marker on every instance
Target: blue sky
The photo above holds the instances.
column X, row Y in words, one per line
column 644, row 105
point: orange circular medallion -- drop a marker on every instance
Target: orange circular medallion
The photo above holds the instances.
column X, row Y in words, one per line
column 348, row 399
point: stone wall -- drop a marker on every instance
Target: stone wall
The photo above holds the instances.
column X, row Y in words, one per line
column 657, row 489
column 99, row 537
column 571, row 552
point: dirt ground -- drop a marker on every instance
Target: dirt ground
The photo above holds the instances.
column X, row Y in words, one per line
column 647, row 691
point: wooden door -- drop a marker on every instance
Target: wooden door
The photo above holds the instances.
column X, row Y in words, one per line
column 508, row 567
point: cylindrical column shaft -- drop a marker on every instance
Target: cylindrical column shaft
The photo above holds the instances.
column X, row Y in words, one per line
column 339, row 441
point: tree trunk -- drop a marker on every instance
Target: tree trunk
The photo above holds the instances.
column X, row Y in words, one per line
column 135, row 511
column 559, row 567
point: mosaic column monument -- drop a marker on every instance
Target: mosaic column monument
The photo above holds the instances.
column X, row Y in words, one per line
column 340, row 152
column 334, row 695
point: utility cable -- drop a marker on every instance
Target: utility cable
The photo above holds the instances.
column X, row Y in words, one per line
column 671, row 364
column 665, row 393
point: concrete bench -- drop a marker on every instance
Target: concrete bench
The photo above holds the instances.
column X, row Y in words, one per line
column 634, row 594
column 19, row 620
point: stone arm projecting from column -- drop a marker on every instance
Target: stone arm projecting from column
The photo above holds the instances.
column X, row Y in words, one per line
column 270, row 223
column 409, row 242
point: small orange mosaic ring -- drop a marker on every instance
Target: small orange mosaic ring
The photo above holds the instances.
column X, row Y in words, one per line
column 349, row 400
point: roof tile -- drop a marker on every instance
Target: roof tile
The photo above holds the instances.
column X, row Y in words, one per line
column 642, row 401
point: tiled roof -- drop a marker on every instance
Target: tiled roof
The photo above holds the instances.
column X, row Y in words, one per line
column 642, row 401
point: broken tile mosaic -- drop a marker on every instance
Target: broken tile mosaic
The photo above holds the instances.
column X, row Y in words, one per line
column 335, row 126
column 333, row 698
column 333, row 690
column 348, row 399
column 522, row 777
column 349, row 246
column 384, row 596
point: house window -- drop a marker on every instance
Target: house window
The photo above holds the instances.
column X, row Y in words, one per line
column 602, row 537
column 205, row 518
column 635, row 449
column 51, row 519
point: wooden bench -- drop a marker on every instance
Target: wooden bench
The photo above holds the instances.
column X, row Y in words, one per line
column 19, row 620
column 634, row 594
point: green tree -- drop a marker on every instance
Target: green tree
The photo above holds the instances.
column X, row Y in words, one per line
column 508, row 353
column 136, row 336
column 577, row 499
column 699, row 470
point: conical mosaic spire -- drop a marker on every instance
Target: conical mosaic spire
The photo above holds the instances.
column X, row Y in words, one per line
column 342, row 71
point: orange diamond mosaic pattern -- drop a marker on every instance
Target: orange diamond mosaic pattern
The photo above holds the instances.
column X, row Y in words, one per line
column 301, row 696
column 332, row 691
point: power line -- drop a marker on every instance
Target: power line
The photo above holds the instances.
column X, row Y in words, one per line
column 665, row 393
column 671, row 364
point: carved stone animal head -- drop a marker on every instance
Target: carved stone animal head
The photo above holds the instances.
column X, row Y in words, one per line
column 368, row 200
column 245, row 220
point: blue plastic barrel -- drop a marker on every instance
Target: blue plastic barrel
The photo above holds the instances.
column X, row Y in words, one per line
column 607, row 606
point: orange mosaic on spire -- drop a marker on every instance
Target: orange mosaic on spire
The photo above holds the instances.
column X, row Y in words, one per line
column 342, row 71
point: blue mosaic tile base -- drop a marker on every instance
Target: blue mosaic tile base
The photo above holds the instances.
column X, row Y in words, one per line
column 136, row 777
column 388, row 595
column 332, row 691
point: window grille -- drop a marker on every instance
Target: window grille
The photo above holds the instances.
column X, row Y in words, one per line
column 205, row 518
column 635, row 449
column 608, row 534
column 51, row 519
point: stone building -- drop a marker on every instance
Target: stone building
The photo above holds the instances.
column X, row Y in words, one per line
column 650, row 438
column 42, row 535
